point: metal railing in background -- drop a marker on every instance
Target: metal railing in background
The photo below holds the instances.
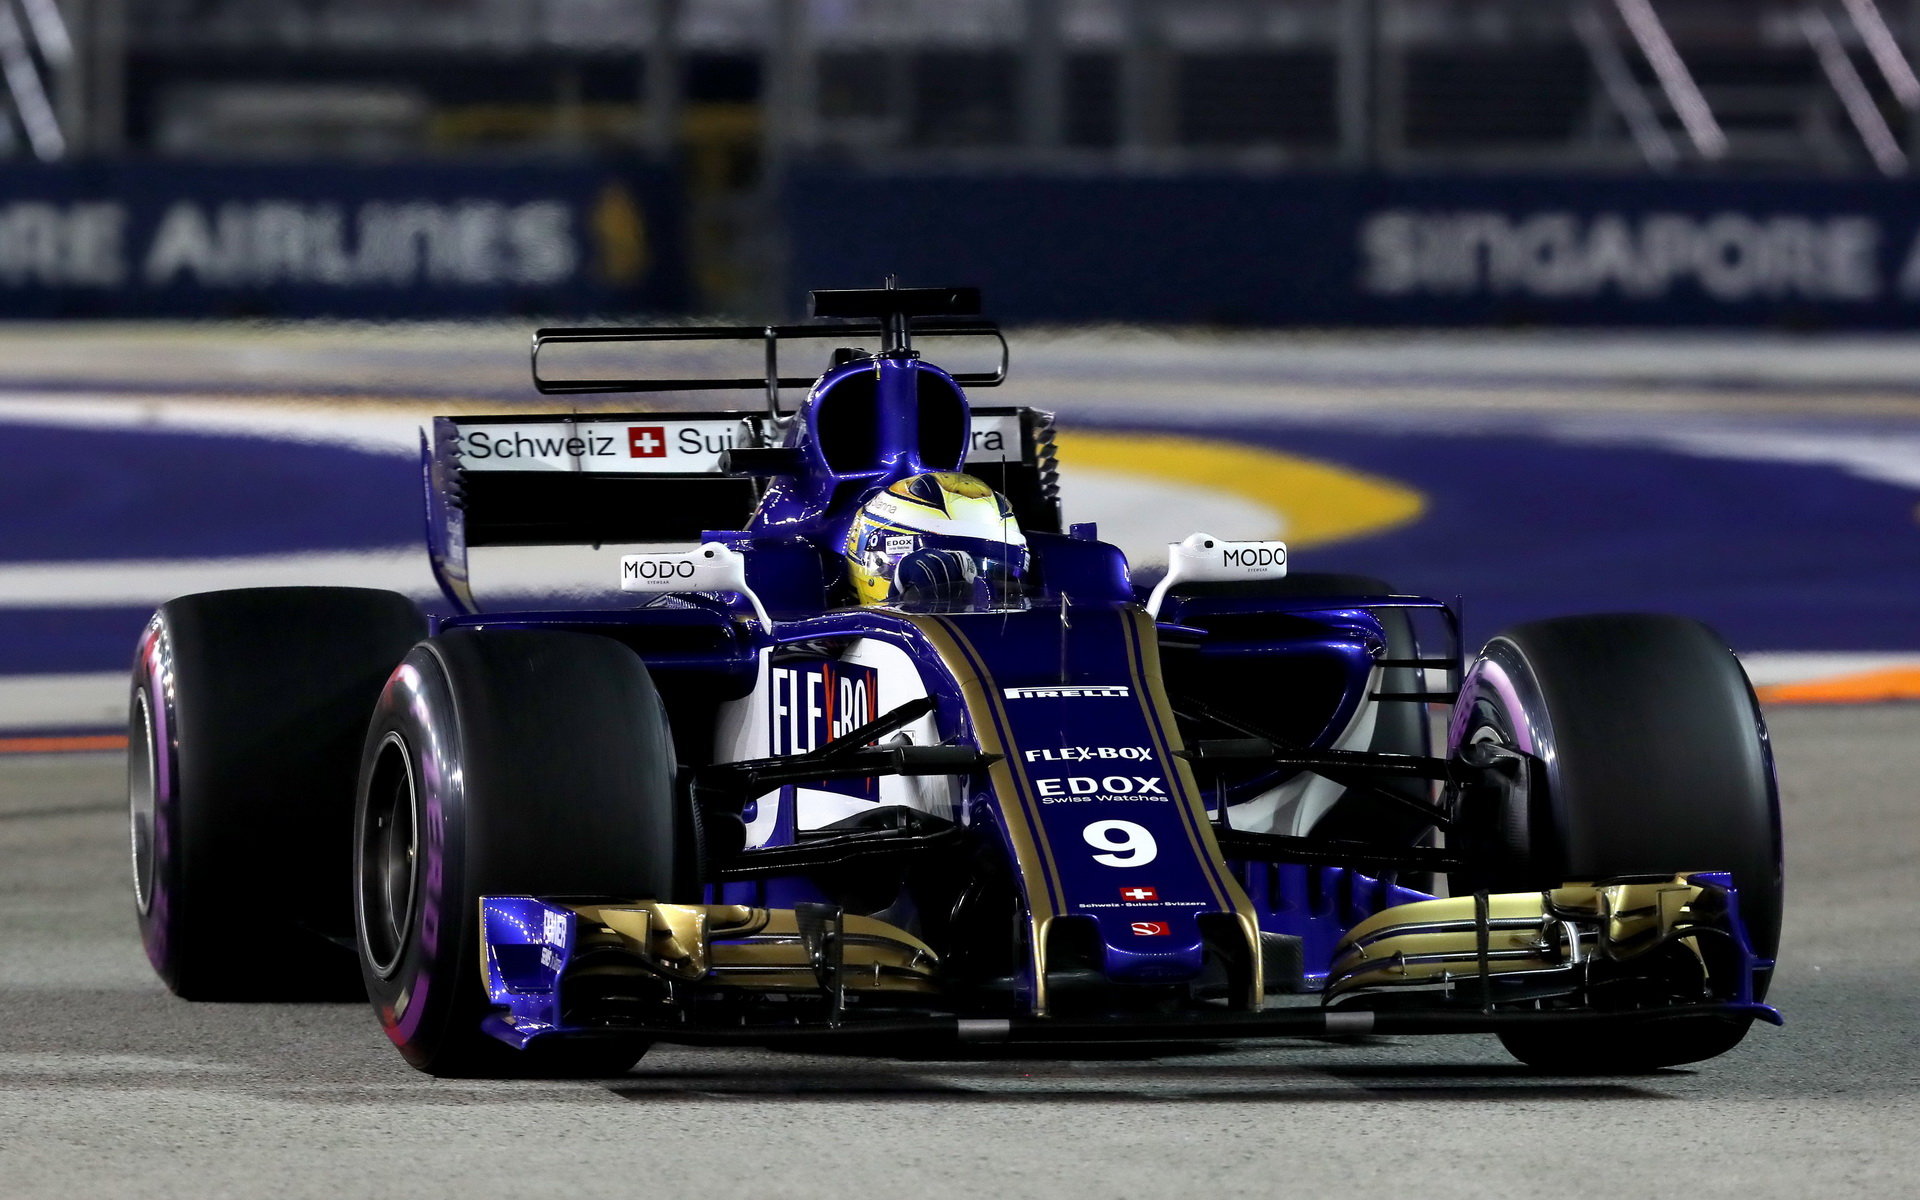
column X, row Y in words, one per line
column 1851, row 87
column 33, row 54
column 1837, row 64
column 1622, row 90
column 1677, row 84
column 734, row 92
column 1829, row 32
column 1147, row 84
column 1168, row 84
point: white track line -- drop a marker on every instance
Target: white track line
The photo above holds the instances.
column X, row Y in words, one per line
column 93, row 701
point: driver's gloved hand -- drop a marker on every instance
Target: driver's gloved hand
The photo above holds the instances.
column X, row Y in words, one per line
column 936, row 577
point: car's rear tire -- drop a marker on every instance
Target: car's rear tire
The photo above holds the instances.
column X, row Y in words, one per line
column 247, row 712
column 1648, row 755
column 504, row 763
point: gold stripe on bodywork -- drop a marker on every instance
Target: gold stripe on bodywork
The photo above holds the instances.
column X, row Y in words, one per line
column 1032, row 854
column 1153, row 697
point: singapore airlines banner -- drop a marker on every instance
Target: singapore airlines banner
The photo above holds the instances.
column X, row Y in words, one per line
column 336, row 240
column 1333, row 249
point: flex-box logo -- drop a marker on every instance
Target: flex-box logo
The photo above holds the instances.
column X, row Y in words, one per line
column 1090, row 753
column 812, row 703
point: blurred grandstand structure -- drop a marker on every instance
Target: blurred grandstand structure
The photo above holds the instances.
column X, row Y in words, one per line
column 1815, row 84
column 714, row 110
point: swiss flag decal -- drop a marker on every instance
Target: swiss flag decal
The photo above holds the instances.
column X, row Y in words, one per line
column 1151, row 929
column 646, row 441
column 1139, row 895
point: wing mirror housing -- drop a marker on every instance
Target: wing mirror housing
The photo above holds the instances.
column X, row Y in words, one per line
column 1203, row 558
column 709, row 568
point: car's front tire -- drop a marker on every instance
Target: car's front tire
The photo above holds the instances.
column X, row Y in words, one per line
column 504, row 763
column 1648, row 755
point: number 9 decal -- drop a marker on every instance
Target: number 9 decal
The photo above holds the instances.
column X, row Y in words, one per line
column 1127, row 844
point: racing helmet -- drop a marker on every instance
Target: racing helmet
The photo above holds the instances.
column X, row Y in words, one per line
column 940, row 538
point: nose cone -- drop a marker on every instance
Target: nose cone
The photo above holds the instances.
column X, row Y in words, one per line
column 1150, row 944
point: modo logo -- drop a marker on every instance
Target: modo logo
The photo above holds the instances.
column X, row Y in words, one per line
column 657, row 568
column 1255, row 556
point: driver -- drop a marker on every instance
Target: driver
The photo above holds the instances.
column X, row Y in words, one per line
column 940, row 539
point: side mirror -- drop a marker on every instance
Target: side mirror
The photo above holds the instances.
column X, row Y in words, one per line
column 710, row 568
column 1203, row 558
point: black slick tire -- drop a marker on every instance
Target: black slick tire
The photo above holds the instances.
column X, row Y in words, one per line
column 247, row 713
column 1650, row 757
column 504, row 763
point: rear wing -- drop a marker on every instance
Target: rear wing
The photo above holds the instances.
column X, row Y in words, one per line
column 769, row 337
column 632, row 478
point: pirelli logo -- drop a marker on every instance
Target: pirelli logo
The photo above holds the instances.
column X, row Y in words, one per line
column 1084, row 691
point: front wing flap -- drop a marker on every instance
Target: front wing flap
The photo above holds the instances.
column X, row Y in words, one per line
column 1683, row 933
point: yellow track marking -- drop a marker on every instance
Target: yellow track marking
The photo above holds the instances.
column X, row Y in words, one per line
column 1314, row 502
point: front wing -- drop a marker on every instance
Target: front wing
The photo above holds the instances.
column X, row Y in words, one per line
column 1583, row 954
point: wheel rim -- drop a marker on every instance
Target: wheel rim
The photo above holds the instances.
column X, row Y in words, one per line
column 1503, row 830
column 1483, row 727
column 143, row 774
column 388, row 859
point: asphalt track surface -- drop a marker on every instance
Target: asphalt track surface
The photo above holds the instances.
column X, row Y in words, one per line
column 111, row 1087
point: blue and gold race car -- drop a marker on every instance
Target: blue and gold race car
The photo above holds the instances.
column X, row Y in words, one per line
column 874, row 746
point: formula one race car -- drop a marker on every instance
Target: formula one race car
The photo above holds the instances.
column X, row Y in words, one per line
column 890, row 754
